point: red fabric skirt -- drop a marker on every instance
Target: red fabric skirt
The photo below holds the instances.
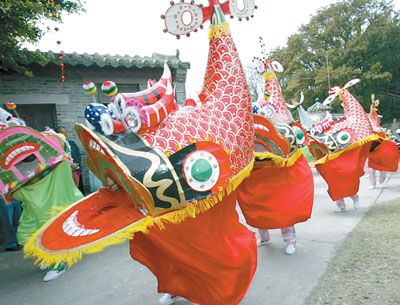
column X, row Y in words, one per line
column 209, row 260
column 273, row 198
column 343, row 173
column 385, row 157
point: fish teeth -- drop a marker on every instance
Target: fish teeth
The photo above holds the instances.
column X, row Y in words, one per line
column 72, row 227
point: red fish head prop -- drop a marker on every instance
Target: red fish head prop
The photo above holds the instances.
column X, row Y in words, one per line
column 354, row 125
column 183, row 163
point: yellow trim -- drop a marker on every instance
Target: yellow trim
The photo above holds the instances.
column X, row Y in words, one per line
column 219, row 30
column 354, row 145
column 269, row 75
column 72, row 256
column 275, row 160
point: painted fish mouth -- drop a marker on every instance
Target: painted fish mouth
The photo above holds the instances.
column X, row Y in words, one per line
column 73, row 227
column 93, row 145
column 261, row 127
column 17, row 153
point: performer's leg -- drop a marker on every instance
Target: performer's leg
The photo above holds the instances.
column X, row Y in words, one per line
column 341, row 205
column 264, row 237
column 356, row 201
column 372, row 178
column 382, row 177
column 289, row 238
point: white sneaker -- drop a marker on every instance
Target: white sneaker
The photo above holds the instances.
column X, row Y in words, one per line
column 341, row 209
column 371, row 187
column 167, row 299
column 52, row 274
column 43, row 267
column 261, row 243
column 290, row 249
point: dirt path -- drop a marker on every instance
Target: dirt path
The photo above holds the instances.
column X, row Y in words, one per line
column 366, row 267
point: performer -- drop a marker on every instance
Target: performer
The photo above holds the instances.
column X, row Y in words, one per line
column 384, row 156
column 280, row 191
column 170, row 178
column 35, row 169
column 349, row 141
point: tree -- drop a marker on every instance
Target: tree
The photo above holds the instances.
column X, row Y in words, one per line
column 20, row 22
column 346, row 40
column 254, row 80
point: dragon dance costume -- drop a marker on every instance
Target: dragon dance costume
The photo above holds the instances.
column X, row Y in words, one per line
column 169, row 175
column 348, row 141
column 35, row 169
column 384, row 155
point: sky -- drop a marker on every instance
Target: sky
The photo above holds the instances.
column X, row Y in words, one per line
column 135, row 28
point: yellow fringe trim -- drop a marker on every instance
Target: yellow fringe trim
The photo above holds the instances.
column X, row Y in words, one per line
column 33, row 248
column 354, row 145
column 219, row 30
column 275, row 161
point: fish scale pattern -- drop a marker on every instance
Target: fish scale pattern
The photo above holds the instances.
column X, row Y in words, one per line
column 225, row 115
column 356, row 119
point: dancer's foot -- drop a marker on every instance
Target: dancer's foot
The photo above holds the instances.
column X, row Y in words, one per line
column 290, row 248
column 167, row 299
column 341, row 206
column 54, row 273
column 261, row 242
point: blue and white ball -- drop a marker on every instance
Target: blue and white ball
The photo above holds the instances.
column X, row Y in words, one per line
column 99, row 118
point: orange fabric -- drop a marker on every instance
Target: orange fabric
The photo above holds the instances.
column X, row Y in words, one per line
column 209, row 260
column 273, row 198
column 385, row 157
column 343, row 173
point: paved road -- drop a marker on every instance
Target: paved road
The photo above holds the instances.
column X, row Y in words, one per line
column 113, row 278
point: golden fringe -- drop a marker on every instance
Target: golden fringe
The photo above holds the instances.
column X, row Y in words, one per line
column 31, row 248
column 72, row 256
column 354, row 145
column 219, row 30
column 276, row 161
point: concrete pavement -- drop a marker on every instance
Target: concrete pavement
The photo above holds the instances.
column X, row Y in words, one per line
column 113, row 278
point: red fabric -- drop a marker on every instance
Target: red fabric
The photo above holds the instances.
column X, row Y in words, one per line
column 209, row 260
column 343, row 173
column 273, row 198
column 385, row 157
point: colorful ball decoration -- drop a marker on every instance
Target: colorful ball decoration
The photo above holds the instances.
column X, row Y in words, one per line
column 89, row 88
column 109, row 88
column 99, row 118
column 11, row 106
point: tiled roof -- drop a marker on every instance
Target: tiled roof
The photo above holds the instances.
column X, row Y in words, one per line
column 318, row 107
column 155, row 61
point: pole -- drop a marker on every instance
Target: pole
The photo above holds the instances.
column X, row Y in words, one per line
column 327, row 69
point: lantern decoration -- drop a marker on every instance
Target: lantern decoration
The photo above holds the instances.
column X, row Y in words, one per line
column 54, row 17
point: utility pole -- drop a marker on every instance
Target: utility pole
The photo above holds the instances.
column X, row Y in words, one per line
column 327, row 69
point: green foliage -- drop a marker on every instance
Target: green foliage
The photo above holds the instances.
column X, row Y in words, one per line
column 21, row 21
column 348, row 39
